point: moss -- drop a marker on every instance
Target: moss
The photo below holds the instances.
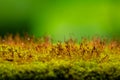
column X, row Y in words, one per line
column 31, row 58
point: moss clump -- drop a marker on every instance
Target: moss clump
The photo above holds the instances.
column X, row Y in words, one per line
column 39, row 58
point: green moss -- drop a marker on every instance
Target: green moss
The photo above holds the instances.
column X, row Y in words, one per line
column 41, row 59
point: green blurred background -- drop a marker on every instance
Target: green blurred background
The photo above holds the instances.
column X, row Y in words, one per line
column 61, row 19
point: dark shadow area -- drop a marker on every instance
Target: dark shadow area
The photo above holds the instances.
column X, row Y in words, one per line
column 14, row 27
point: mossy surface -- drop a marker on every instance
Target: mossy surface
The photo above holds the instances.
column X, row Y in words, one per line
column 30, row 58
